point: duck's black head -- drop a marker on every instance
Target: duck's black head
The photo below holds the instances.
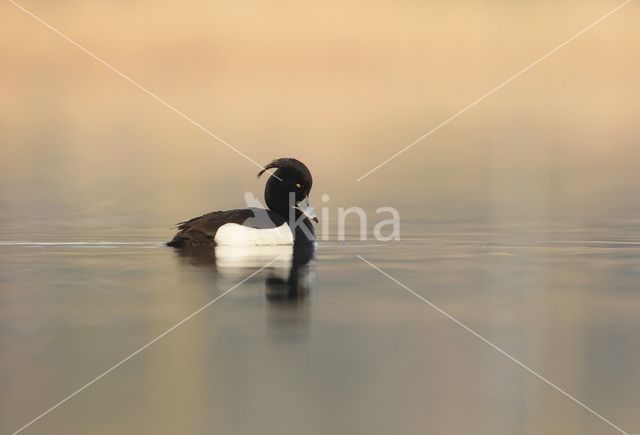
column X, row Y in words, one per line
column 291, row 179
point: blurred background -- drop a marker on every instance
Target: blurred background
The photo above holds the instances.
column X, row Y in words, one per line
column 339, row 85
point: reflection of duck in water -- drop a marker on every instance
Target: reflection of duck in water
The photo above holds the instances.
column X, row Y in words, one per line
column 300, row 280
column 291, row 277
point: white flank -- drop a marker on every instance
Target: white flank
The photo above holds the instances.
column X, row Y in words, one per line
column 239, row 235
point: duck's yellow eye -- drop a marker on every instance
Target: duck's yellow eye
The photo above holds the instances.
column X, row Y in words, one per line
column 298, row 185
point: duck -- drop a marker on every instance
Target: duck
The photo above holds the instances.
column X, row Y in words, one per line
column 286, row 220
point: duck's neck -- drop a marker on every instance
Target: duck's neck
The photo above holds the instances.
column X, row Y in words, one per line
column 300, row 225
column 279, row 205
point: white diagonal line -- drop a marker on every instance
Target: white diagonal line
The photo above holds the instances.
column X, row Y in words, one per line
column 471, row 331
column 139, row 86
column 492, row 91
column 143, row 347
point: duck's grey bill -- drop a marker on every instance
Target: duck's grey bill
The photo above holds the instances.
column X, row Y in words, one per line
column 307, row 210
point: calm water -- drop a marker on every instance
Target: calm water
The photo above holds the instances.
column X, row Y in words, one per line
column 328, row 344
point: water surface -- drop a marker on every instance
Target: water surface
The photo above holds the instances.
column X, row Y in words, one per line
column 343, row 350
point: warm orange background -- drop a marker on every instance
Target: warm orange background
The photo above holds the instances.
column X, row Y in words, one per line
column 340, row 85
